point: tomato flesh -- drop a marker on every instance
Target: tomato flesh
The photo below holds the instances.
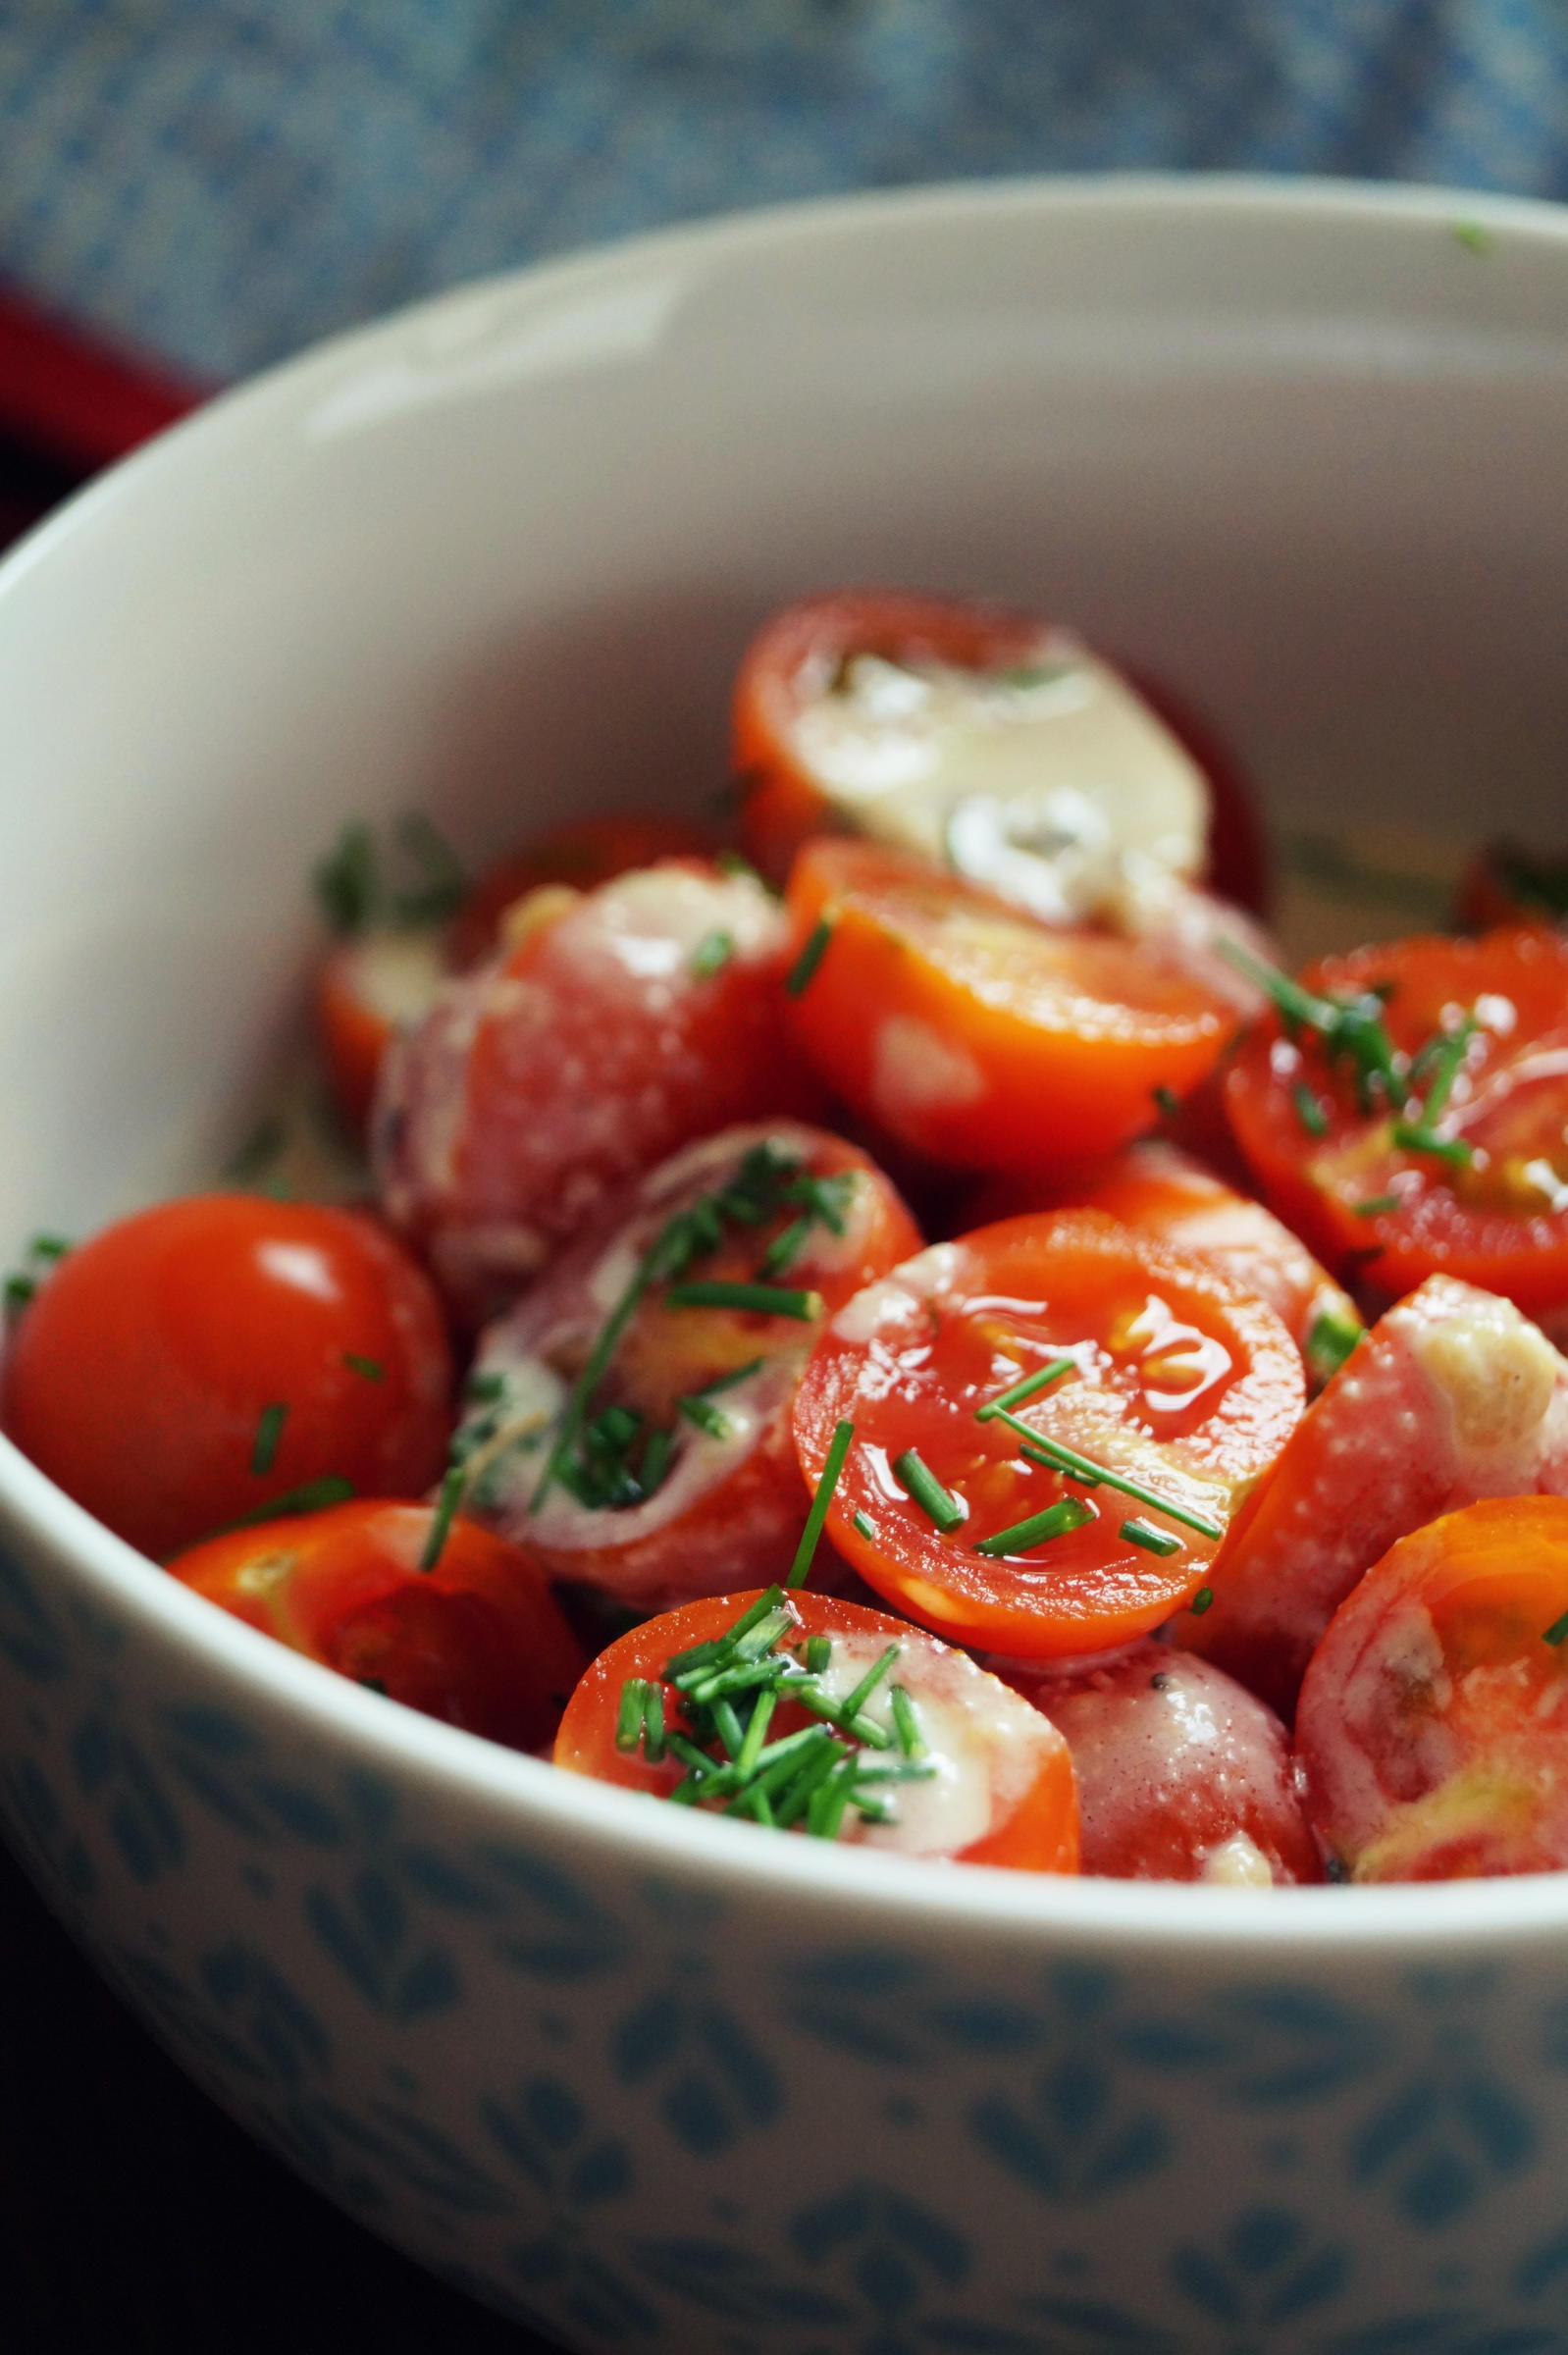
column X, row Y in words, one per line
column 1178, row 1381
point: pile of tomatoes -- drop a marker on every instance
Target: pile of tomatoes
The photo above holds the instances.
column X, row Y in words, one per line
column 862, row 1329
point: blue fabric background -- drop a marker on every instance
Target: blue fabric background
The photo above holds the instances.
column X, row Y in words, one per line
column 220, row 181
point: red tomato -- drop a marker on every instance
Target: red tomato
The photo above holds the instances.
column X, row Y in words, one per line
column 1000, row 1795
column 368, row 989
column 694, row 1470
column 1430, row 1727
column 1452, row 1395
column 645, row 1016
column 477, row 1640
column 1178, row 1381
column 1486, row 1196
column 204, row 1357
column 582, row 853
column 1181, row 1774
column 973, row 1035
column 1166, row 1193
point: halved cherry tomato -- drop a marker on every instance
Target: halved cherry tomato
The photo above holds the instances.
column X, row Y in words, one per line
column 973, row 1035
column 581, row 854
column 1166, row 1193
column 367, row 990
column 1241, row 868
column 1467, row 1170
column 680, row 1464
column 989, row 742
column 1000, row 1793
column 1452, row 1395
column 1177, row 1381
column 646, row 1014
column 1182, row 1775
column 1431, row 1726
column 201, row 1358
column 477, row 1640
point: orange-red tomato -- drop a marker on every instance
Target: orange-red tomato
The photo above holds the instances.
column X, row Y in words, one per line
column 582, row 853
column 1181, row 1774
column 1430, row 1725
column 201, row 1358
column 972, row 1033
column 643, row 1016
column 681, row 1465
column 1001, row 1794
column 1363, row 1182
column 1177, row 1381
column 367, row 989
column 477, row 1640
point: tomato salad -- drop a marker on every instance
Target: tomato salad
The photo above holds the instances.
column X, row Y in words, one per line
column 905, row 1327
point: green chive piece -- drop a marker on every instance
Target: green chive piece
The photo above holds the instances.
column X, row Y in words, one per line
column 1068, row 1513
column 730, row 862
column 311, row 1497
column 822, row 1498
column 1056, row 1458
column 373, row 1684
column 728, row 1726
column 871, row 1680
column 1557, row 1630
column 346, row 880
column 19, row 1289
column 750, row 1748
column 1414, row 1136
column 269, row 1431
column 728, row 1382
column 760, row 1299
column 811, row 957
column 1152, row 1539
column 1309, row 1111
column 1201, row 1601
column 655, row 1461
column 711, row 954
column 1333, row 1335
column 1166, row 1102
column 48, row 1247
column 705, row 1414
column 1473, row 235
column 1026, row 1389
column 786, row 1245
column 370, row 1366
column 259, row 1150
column 927, row 1491
column 905, row 1724
column 654, row 1725
column 795, row 1801
column 1374, row 1205
column 446, row 1503
column 863, row 1523
column 485, row 1387
column 819, row 1653
column 629, row 1717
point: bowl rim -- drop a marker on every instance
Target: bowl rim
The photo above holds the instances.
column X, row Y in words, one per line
column 1030, row 1911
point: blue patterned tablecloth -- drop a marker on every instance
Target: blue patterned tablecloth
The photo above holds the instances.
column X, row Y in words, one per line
column 220, row 181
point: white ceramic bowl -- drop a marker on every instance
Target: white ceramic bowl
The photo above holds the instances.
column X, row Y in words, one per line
column 651, row 2081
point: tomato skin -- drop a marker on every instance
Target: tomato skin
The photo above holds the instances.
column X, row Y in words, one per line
column 1034, row 1824
column 911, row 1359
column 358, row 1016
column 1429, row 1729
column 1511, row 1100
column 972, row 1033
column 1182, row 1775
column 582, row 853
column 1452, row 1395
column 138, row 1377
column 477, row 1642
column 715, row 1506
column 545, row 1080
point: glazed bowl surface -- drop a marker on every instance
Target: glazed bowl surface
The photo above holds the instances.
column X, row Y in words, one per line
column 639, row 2079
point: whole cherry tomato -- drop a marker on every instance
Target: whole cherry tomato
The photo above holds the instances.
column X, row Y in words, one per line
column 973, row 1035
column 958, row 1768
column 475, row 1638
column 200, row 1359
column 581, row 855
column 980, row 1373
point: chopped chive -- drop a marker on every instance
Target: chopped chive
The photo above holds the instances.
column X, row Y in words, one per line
column 905, row 1722
column 1374, row 1205
column 1152, row 1539
column 311, row 1497
column 705, row 1414
column 730, row 862
column 728, row 1382
column 1056, row 1458
column 485, row 1387
column 869, row 1681
column 796, row 1798
column 727, row 1725
column 786, row 1245
column 652, row 1724
column 1309, row 1111
column 1331, row 1338
column 822, row 1498
column 1473, row 236
column 760, row 1299
column 819, row 1653
column 269, row 1431
column 258, row 1152
column 1201, row 1601
column 19, row 1289
column 1414, row 1136
column 1557, row 1630
column 370, row 1366
column 811, row 957
column 48, row 1247
column 447, row 1502
column 1068, row 1513
column 629, row 1717
column 656, row 1460
column 922, row 1484
column 1037, row 1381
column 1166, row 1102
column 863, row 1523
column 373, row 1684
column 750, row 1748
column 711, row 954
column 345, row 881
